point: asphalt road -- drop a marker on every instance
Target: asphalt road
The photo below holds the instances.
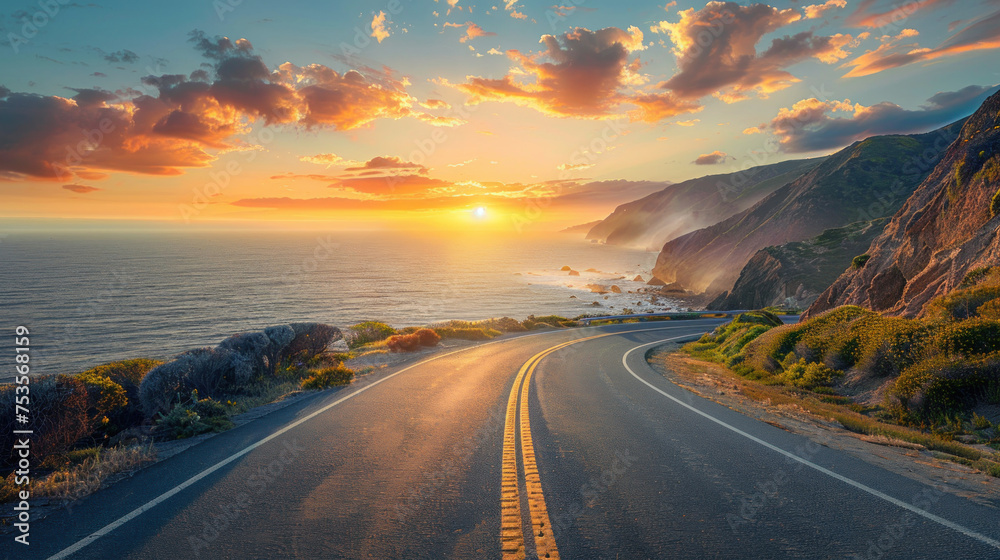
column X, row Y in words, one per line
column 603, row 458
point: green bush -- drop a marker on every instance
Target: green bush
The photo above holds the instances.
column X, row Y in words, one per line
column 467, row 333
column 367, row 332
column 968, row 338
column 191, row 418
column 809, row 375
column 328, row 377
column 860, row 261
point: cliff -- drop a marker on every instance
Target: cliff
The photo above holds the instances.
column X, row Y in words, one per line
column 946, row 229
column 868, row 180
column 796, row 273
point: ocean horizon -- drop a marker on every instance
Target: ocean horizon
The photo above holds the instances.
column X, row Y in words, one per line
column 94, row 297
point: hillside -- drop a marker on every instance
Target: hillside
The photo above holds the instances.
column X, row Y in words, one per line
column 684, row 207
column 796, row 273
column 867, row 180
column 580, row 228
column 944, row 232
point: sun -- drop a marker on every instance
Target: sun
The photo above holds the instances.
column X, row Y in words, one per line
column 479, row 212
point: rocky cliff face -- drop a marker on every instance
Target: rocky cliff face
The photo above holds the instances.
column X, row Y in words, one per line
column 867, row 180
column 693, row 204
column 795, row 274
column 947, row 228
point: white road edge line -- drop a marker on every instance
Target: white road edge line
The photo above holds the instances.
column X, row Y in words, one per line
column 72, row 549
column 925, row 514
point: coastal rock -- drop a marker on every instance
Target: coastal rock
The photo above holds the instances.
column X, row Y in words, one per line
column 947, row 228
column 615, row 289
column 566, row 268
column 592, row 270
column 654, row 281
column 597, row 288
column 673, row 289
column 574, row 273
column 638, row 278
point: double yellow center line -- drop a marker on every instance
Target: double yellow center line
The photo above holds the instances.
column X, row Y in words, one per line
column 512, row 537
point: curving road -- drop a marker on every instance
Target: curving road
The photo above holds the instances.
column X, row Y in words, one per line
column 560, row 445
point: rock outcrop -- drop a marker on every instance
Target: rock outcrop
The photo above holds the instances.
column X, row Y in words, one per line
column 946, row 229
column 795, row 274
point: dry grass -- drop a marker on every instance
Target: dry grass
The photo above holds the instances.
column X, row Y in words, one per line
column 75, row 481
column 847, row 415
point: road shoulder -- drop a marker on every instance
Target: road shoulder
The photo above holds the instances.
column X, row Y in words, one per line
column 716, row 383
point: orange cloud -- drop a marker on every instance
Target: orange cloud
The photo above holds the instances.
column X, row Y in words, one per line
column 579, row 74
column 471, row 31
column 379, row 30
column 716, row 50
column 82, row 189
column 809, row 125
column 817, row 11
column 983, row 34
column 713, row 158
column 863, row 17
column 175, row 126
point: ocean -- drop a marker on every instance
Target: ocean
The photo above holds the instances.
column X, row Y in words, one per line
column 93, row 297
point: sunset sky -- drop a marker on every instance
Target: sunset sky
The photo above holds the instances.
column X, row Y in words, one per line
column 419, row 112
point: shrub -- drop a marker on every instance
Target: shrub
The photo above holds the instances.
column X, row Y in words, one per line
column 253, row 348
column 556, row 321
column 127, row 373
column 427, row 337
column 279, row 337
column 107, row 403
column 466, row 333
column 974, row 276
column 58, row 416
column 968, row 338
column 209, row 371
column 962, row 304
column 193, row 418
column 327, row 377
column 860, row 261
column 502, row 324
column 403, row 342
column 310, row 339
column 990, row 310
column 809, row 375
column 368, row 331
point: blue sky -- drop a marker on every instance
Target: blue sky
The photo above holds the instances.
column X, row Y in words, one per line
column 467, row 101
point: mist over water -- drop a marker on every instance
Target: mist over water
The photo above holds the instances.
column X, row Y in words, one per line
column 94, row 297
